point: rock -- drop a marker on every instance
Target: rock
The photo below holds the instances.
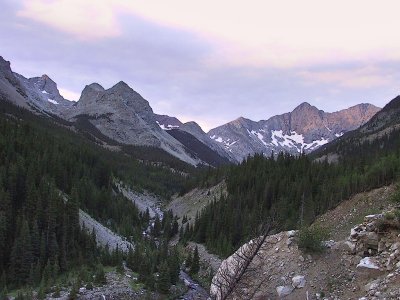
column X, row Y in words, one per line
column 368, row 263
column 291, row 233
column 298, row 281
column 350, row 247
column 368, row 268
column 371, row 240
column 329, row 244
column 353, row 233
column 373, row 285
column 284, row 290
column 381, row 246
column 395, row 246
column 301, row 258
column 370, row 218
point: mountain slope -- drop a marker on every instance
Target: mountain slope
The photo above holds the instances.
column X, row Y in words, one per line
column 195, row 139
column 303, row 130
column 198, row 148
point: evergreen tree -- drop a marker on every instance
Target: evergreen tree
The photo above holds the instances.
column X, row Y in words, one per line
column 164, row 279
column 195, row 265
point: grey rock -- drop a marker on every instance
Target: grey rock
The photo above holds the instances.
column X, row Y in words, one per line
column 298, row 281
column 284, row 290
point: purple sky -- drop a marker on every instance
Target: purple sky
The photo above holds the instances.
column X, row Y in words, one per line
column 211, row 62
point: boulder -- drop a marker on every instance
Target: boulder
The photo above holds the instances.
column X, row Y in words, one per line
column 395, row 246
column 298, row 281
column 350, row 247
column 368, row 263
column 368, row 268
column 371, row 240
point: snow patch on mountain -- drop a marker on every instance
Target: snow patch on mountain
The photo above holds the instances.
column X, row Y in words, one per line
column 227, row 143
column 167, row 127
column 52, row 101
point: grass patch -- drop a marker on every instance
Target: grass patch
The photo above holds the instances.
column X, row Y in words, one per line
column 137, row 286
column 109, row 269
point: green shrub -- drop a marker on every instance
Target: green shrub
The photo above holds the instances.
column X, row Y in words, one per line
column 397, row 214
column 310, row 238
column 89, row 286
column 389, row 216
column 396, row 195
column 100, row 276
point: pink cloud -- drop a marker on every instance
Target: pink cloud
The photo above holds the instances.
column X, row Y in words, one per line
column 85, row 20
column 365, row 77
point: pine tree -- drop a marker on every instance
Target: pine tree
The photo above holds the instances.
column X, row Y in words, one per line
column 195, row 266
column 100, row 277
column 174, row 266
column 164, row 279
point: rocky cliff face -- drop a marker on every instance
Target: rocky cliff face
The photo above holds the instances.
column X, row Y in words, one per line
column 303, row 130
column 125, row 116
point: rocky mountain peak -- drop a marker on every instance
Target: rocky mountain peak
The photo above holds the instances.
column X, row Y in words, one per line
column 305, row 105
column 192, row 127
column 90, row 94
column 239, row 122
column 45, row 84
column 4, row 63
column 95, row 86
column 121, row 86
column 6, row 72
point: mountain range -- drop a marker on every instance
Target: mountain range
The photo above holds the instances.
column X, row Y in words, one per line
column 121, row 115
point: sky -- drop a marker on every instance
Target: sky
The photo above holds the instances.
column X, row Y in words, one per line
column 212, row 61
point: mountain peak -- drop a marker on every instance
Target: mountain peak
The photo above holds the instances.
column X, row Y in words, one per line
column 304, row 106
column 95, row 86
column 47, row 80
column 4, row 63
column 393, row 104
column 193, row 126
column 122, row 85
